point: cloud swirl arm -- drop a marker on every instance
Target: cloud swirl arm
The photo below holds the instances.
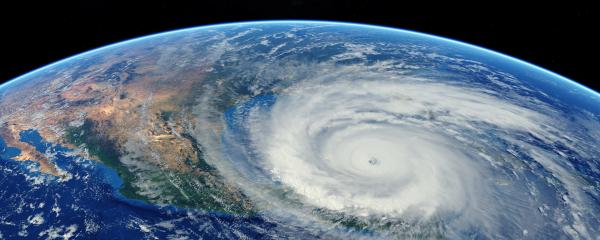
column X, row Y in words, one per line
column 406, row 148
column 402, row 147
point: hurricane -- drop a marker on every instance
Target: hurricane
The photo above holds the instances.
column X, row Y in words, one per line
column 413, row 155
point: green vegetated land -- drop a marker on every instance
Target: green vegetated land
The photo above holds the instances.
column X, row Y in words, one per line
column 204, row 191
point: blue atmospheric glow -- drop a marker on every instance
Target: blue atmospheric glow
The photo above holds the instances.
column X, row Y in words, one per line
column 425, row 35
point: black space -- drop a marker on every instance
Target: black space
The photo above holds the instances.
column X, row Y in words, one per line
column 559, row 37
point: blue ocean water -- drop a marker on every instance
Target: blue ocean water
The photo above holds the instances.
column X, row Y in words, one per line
column 236, row 138
column 89, row 206
column 236, row 116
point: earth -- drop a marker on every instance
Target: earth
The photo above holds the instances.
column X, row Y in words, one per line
column 297, row 129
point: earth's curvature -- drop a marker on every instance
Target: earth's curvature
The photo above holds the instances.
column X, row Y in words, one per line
column 297, row 129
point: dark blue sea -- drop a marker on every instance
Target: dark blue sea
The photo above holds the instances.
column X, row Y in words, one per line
column 89, row 206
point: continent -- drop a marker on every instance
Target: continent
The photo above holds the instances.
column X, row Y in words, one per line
column 128, row 114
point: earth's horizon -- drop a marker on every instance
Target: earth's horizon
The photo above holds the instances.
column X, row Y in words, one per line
column 390, row 28
column 297, row 129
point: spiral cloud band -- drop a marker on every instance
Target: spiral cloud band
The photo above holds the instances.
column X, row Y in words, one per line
column 381, row 146
column 353, row 147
